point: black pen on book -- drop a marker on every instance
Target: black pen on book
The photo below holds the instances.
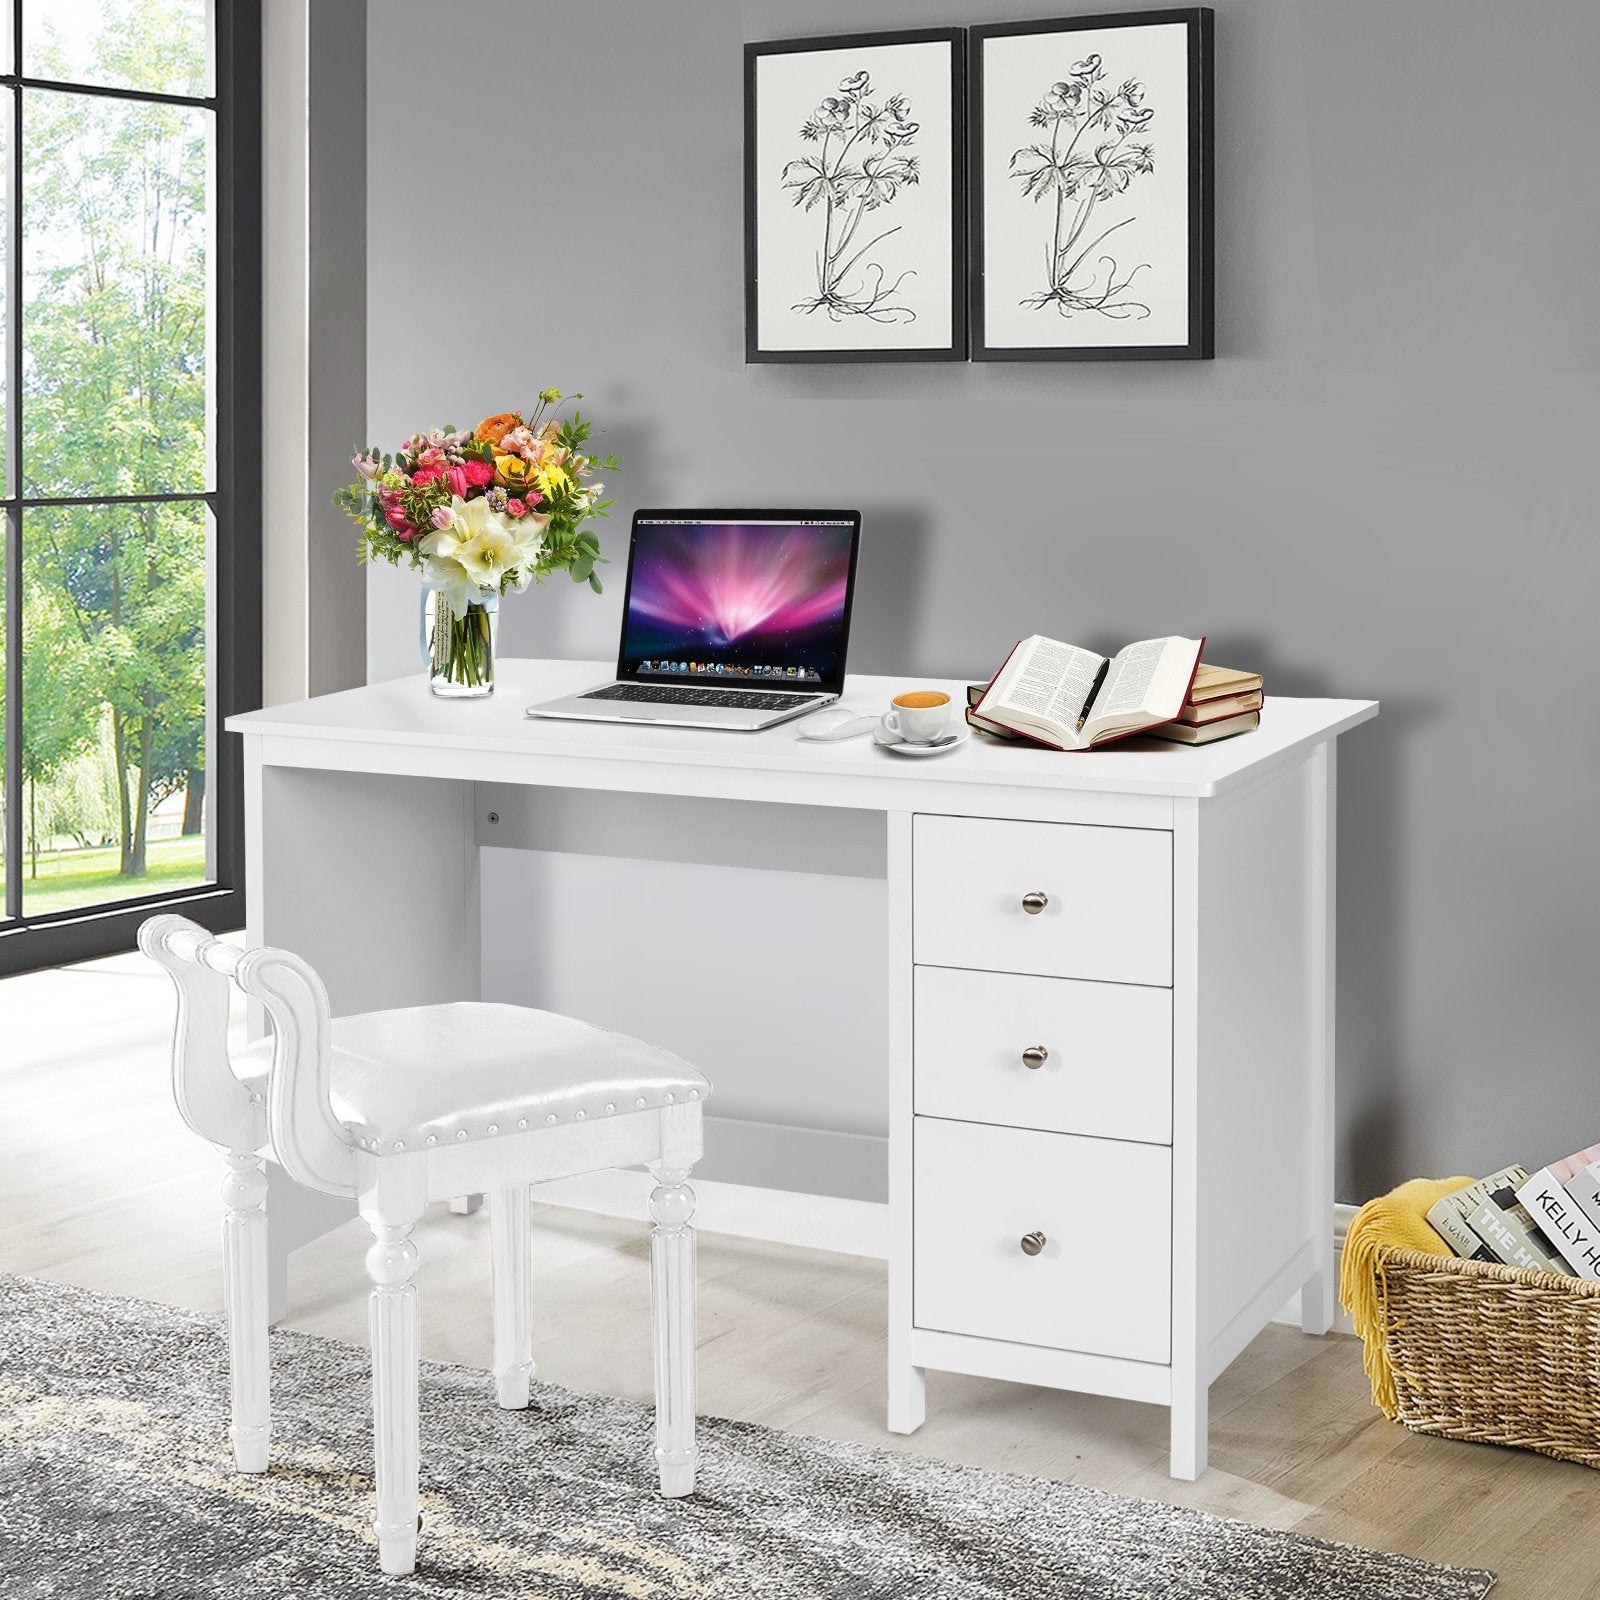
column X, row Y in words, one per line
column 1094, row 689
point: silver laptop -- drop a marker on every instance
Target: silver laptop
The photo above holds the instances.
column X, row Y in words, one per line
column 732, row 619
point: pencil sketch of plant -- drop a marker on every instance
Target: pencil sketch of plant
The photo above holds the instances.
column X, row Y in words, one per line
column 860, row 165
column 1078, row 181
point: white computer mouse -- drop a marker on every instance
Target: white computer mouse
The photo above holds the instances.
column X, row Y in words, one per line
column 836, row 724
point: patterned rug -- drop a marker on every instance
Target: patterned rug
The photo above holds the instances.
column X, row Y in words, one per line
column 116, row 1484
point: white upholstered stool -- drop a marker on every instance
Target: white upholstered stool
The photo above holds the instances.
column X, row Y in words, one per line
column 400, row 1108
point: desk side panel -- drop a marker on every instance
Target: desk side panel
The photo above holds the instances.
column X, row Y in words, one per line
column 1256, row 1118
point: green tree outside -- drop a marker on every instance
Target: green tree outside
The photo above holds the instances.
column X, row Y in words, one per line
column 115, row 402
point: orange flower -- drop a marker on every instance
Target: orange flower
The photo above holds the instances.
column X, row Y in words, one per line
column 493, row 429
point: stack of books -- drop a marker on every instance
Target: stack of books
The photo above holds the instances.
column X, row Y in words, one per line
column 1549, row 1221
column 1222, row 702
column 976, row 692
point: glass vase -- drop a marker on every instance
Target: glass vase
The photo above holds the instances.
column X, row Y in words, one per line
column 459, row 650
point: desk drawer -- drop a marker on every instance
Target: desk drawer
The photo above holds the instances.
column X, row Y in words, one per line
column 1102, row 1281
column 1108, row 898
column 1108, row 1053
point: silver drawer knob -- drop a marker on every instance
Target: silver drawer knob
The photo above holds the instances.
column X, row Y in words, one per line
column 1035, row 1057
column 1032, row 1243
column 1035, row 901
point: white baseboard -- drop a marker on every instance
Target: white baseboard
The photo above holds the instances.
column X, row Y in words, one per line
column 782, row 1210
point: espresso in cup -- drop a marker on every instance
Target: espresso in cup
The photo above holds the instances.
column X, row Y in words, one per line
column 919, row 716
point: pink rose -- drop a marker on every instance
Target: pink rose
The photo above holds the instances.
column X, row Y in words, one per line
column 531, row 498
column 515, row 508
column 433, row 456
column 456, row 477
column 478, row 473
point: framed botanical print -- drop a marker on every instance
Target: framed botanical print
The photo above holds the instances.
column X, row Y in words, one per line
column 855, row 198
column 1091, row 188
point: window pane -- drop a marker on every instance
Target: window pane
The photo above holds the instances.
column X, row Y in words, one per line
column 4, row 797
column 6, row 107
column 159, row 45
column 114, row 703
column 115, row 315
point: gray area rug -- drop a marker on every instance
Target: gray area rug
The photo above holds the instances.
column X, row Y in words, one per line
column 116, row 1481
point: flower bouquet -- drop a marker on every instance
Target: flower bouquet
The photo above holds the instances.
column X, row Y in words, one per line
column 477, row 514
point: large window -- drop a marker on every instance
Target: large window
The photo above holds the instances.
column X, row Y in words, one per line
column 129, row 144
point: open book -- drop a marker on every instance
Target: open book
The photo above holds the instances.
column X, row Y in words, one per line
column 1073, row 699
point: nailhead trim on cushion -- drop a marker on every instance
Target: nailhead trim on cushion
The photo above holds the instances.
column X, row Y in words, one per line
column 493, row 1128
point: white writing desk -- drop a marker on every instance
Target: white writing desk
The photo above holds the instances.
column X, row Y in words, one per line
column 1110, row 994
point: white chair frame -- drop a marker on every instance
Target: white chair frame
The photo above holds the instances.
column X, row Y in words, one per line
column 296, row 1126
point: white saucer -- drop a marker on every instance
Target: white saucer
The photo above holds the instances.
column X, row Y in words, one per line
column 904, row 747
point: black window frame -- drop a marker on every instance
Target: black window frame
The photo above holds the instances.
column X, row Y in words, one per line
column 27, row 943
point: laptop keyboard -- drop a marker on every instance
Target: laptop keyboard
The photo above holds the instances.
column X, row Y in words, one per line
column 662, row 694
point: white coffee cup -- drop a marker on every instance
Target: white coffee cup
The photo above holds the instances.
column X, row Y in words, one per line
column 919, row 716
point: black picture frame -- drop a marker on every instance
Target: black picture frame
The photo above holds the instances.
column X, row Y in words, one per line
column 758, row 182
column 1200, row 275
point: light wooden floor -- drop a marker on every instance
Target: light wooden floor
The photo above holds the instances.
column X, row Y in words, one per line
column 102, row 1186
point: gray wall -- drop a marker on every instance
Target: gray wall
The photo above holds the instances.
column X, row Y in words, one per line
column 336, row 342
column 314, row 379
column 1381, row 487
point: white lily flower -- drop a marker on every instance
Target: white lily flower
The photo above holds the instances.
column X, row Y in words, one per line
column 444, row 542
column 491, row 545
column 452, row 582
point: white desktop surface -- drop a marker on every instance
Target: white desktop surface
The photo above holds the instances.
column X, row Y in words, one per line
column 404, row 717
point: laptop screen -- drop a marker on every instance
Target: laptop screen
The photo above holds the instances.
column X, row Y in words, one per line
column 739, row 597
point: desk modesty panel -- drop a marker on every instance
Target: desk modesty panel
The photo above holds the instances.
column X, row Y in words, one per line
column 1110, row 987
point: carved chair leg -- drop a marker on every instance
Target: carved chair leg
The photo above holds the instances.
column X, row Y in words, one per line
column 511, row 1285
column 392, row 1266
column 244, row 1270
column 672, row 1291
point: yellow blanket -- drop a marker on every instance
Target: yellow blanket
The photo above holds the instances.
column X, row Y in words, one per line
column 1394, row 1221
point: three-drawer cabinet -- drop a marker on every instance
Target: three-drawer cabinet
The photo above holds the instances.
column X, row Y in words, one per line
column 1110, row 1032
column 1042, row 1084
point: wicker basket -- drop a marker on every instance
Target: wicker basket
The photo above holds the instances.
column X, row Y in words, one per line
column 1497, row 1354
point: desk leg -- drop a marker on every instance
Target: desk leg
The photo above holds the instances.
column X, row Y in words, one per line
column 373, row 879
column 907, row 1386
column 1317, row 1297
column 1191, row 1423
column 908, row 1389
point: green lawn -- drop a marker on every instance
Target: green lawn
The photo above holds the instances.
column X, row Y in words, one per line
column 76, row 878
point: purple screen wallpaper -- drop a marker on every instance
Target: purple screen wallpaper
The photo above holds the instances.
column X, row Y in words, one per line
column 739, row 595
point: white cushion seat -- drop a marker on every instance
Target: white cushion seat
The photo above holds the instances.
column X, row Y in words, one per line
column 423, row 1075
